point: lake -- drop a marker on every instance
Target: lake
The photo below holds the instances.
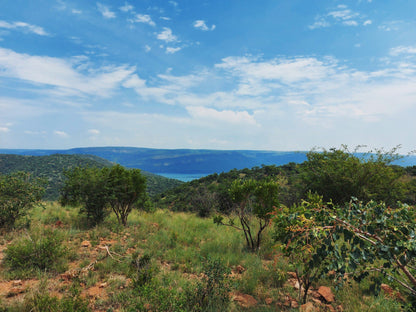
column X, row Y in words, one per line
column 185, row 177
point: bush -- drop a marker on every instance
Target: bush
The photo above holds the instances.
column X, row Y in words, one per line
column 18, row 193
column 211, row 293
column 41, row 249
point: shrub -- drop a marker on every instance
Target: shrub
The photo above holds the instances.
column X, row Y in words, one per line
column 211, row 293
column 41, row 249
column 18, row 193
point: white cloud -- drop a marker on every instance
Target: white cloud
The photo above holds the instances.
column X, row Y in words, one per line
column 143, row 18
column 342, row 15
column 165, row 18
column 105, row 11
column 319, row 23
column 4, row 129
column 200, row 24
column 167, row 35
column 126, row 7
column 65, row 77
column 94, row 131
column 25, row 27
column 403, row 50
column 170, row 50
column 75, row 11
column 147, row 48
column 225, row 116
column 61, row 134
column 350, row 23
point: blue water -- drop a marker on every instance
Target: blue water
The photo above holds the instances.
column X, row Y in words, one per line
column 183, row 176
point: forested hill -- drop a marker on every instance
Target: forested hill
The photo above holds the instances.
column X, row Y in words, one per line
column 51, row 168
column 183, row 161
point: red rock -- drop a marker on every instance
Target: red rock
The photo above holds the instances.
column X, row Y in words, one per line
column 246, row 301
column 307, row 307
column 269, row 301
column 326, row 293
column 239, row 269
column 86, row 244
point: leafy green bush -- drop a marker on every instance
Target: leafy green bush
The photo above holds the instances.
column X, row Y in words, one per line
column 143, row 270
column 338, row 175
column 18, row 193
column 41, row 249
column 211, row 293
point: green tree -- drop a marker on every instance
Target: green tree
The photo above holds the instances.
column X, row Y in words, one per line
column 18, row 193
column 256, row 199
column 87, row 186
column 339, row 174
column 302, row 235
column 126, row 189
column 353, row 240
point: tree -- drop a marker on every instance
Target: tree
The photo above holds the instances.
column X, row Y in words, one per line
column 339, row 174
column 302, row 235
column 252, row 198
column 125, row 189
column 87, row 186
column 18, row 193
column 352, row 240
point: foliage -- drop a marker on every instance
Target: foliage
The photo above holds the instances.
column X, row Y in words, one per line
column 353, row 240
column 41, row 249
column 252, row 198
column 302, row 236
column 125, row 190
column 52, row 168
column 211, row 293
column 381, row 239
column 142, row 270
column 18, row 193
column 95, row 189
column 339, row 174
column 87, row 186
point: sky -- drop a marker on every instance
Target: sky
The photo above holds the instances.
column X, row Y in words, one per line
column 277, row 75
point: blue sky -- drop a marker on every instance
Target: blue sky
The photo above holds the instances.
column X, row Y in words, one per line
column 235, row 74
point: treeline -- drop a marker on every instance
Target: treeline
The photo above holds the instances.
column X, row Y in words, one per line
column 336, row 174
column 51, row 168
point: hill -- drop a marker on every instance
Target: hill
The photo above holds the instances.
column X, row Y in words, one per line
column 51, row 168
column 185, row 161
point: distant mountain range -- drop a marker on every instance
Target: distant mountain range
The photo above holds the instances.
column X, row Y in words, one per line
column 185, row 161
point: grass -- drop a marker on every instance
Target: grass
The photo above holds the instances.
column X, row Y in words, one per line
column 178, row 245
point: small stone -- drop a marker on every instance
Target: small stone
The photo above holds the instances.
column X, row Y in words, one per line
column 269, row 301
column 307, row 307
column 86, row 244
column 244, row 300
column 387, row 289
column 17, row 283
column 239, row 269
column 102, row 285
column 326, row 293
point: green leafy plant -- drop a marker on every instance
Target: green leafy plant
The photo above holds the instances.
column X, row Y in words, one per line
column 338, row 175
column 252, row 198
column 18, row 193
column 211, row 293
column 303, row 237
column 87, row 186
column 126, row 189
column 41, row 249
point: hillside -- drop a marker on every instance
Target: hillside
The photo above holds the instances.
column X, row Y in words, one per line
column 186, row 161
column 178, row 160
column 51, row 168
